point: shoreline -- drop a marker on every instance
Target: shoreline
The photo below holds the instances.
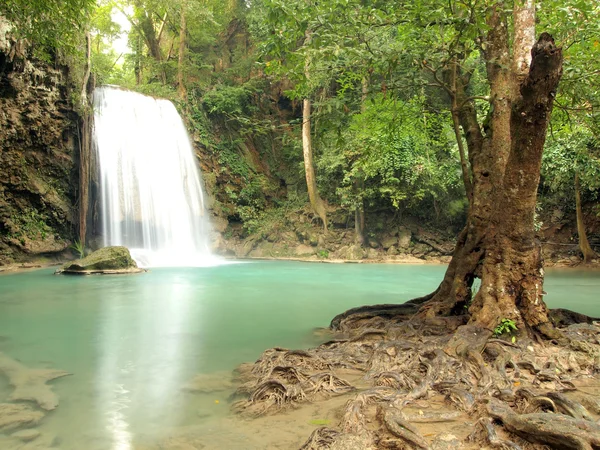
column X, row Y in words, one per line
column 561, row 264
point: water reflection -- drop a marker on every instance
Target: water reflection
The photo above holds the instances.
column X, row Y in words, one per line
column 143, row 350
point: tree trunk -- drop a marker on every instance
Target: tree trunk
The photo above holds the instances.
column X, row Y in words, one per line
column 359, row 217
column 584, row 244
column 182, row 40
column 85, row 147
column 309, row 168
column 359, row 184
column 146, row 25
column 498, row 243
column 311, row 182
column 457, row 93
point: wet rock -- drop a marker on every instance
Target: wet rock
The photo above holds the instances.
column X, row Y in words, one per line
column 26, row 435
column 219, row 223
column 217, row 242
column 38, row 142
column 404, row 238
column 18, row 415
column 107, row 260
column 420, row 250
column 373, row 254
column 355, row 252
column 243, row 250
column 30, row 384
column 258, row 252
column 388, row 241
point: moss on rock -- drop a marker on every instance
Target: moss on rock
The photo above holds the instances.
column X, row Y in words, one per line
column 104, row 260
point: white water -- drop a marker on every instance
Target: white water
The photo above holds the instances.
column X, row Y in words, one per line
column 151, row 193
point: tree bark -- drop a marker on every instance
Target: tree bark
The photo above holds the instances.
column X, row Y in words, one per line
column 457, row 92
column 584, row 244
column 359, row 184
column 311, row 182
column 317, row 203
column 498, row 243
column 85, row 147
column 146, row 25
column 182, row 41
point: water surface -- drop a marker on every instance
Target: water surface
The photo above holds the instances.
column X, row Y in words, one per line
column 132, row 342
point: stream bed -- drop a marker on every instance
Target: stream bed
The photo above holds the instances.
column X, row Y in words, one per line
column 132, row 343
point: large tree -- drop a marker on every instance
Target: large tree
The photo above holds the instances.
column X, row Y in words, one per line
column 498, row 243
column 501, row 166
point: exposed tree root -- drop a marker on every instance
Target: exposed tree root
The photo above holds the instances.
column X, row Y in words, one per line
column 321, row 438
column 556, row 430
column 517, row 395
column 283, row 378
column 399, row 426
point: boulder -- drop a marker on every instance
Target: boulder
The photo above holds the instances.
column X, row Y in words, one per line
column 404, row 238
column 388, row 241
column 107, row 260
column 304, row 249
column 355, row 252
column 373, row 254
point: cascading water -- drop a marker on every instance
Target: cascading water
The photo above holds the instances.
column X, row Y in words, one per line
column 151, row 193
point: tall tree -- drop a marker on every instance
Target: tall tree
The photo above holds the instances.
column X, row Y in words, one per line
column 498, row 243
column 317, row 203
column 182, row 45
column 584, row 244
column 570, row 168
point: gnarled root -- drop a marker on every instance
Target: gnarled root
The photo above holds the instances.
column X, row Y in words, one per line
column 556, row 430
column 396, row 423
column 485, row 432
column 277, row 387
column 321, row 439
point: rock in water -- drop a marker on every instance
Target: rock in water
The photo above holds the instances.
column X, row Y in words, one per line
column 17, row 415
column 26, row 435
column 29, row 384
column 107, row 260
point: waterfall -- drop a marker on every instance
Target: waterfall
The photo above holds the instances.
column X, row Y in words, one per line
column 151, row 192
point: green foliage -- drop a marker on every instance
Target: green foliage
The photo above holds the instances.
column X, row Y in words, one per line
column 227, row 100
column 29, row 223
column 506, row 326
column 568, row 151
column 49, row 24
column 400, row 153
column 78, row 248
column 323, row 254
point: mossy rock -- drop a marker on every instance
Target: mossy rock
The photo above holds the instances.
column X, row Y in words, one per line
column 107, row 260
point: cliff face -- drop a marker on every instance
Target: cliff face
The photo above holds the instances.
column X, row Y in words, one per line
column 38, row 146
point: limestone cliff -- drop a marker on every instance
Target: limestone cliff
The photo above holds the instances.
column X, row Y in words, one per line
column 38, row 146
